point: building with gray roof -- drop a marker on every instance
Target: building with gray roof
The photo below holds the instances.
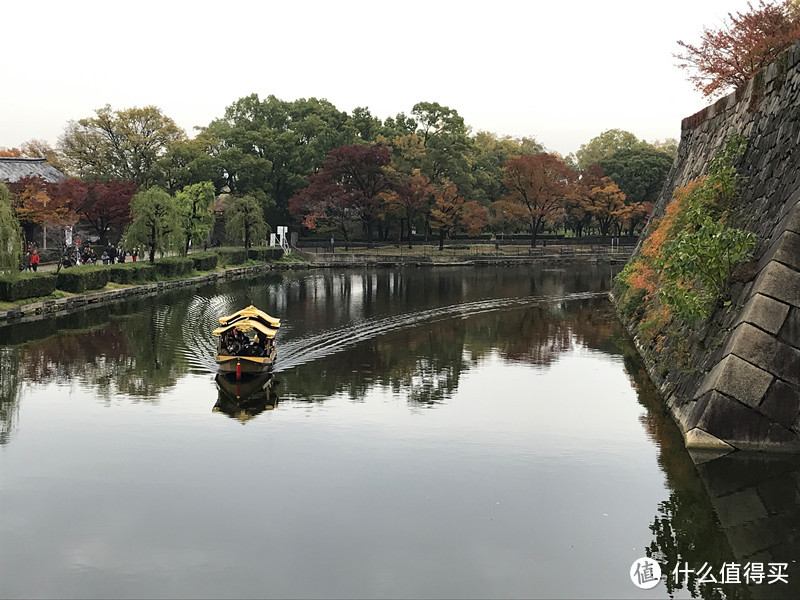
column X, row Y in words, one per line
column 14, row 169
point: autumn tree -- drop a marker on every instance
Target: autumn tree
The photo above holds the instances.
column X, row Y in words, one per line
column 10, row 234
column 105, row 205
column 155, row 224
column 451, row 211
column 747, row 42
column 322, row 206
column 123, row 144
column 38, row 202
column 538, row 184
column 606, row 205
column 408, row 198
column 577, row 214
column 490, row 152
column 507, row 217
column 195, row 204
column 351, row 181
column 244, row 221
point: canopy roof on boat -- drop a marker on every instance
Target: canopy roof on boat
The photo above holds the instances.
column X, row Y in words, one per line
column 245, row 325
column 251, row 312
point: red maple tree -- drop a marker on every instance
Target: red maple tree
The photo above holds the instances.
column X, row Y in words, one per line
column 104, row 204
column 349, row 185
column 747, row 42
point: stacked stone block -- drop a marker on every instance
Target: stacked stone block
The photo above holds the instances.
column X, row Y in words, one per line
column 741, row 388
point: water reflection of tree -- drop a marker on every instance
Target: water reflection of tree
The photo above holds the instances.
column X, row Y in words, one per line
column 685, row 529
column 137, row 354
column 425, row 362
column 10, row 382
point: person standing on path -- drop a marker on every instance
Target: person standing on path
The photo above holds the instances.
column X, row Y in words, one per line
column 35, row 260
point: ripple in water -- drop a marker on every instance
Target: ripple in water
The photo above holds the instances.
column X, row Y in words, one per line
column 203, row 316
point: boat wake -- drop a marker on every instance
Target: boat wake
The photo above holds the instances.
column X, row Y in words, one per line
column 204, row 312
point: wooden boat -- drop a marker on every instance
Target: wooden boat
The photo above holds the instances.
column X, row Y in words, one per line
column 246, row 341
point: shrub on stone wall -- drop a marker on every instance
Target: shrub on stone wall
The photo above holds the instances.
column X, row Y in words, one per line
column 174, row 267
column 231, row 256
column 204, row 261
column 82, row 278
column 131, row 273
column 26, row 285
column 265, row 253
column 686, row 263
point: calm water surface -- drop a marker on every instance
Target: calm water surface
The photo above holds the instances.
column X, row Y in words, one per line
column 459, row 432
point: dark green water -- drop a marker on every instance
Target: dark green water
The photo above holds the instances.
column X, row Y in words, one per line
column 458, row 432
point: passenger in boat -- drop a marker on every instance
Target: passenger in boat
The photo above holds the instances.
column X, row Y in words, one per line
column 230, row 343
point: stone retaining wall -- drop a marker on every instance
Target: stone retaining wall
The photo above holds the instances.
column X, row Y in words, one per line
column 739, row 382
column 44, row 308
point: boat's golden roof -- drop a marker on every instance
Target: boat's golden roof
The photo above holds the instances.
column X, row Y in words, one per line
column 251, row 312
column 245, row 325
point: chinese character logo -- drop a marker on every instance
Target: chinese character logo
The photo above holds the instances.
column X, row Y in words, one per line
column 645, row 573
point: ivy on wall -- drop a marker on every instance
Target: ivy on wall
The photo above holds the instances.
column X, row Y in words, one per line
column 684, row 268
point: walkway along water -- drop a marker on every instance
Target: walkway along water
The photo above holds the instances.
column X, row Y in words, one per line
column 34, row 310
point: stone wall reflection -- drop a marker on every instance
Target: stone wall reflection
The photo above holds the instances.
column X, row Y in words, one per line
column 738, row 508
column 757, row 500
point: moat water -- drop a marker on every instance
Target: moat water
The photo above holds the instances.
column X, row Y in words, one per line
column 455, row 432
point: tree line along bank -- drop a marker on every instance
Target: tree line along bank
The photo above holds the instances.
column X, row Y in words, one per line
column 327, row 172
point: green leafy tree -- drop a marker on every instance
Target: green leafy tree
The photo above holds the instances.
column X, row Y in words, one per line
column 448, row 147
column 156, row 222
column 608, row 142
column 10, row 234
column 196, row 205
column 398, row 125
column 639, row 172
column 123, row 144
column 244, row 221
column 194, row 161
column 267, row 148
column 366, row 126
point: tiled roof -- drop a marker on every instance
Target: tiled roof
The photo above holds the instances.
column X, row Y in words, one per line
column 14, row 169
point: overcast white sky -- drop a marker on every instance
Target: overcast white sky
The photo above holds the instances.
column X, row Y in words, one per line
column 562, row 71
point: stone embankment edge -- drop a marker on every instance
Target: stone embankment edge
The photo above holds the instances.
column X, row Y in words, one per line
column 738, row 381
column 47, row 308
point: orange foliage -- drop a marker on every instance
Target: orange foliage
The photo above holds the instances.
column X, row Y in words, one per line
column 643, row 276
column 748, row 42
column 36, row 201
